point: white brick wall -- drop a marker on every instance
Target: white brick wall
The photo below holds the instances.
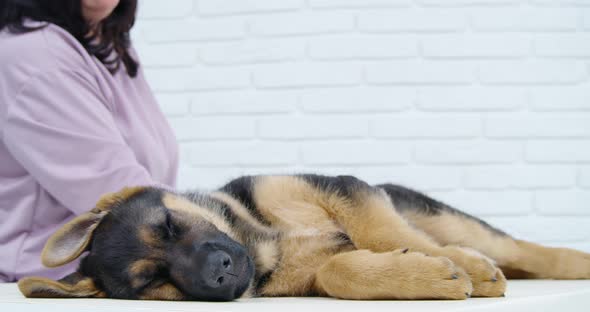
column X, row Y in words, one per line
column 482, row 103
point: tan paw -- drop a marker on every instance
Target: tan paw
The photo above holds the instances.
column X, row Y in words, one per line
column 488, row 280
column 433, row 277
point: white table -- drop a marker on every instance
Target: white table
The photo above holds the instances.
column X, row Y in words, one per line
column 522, row 296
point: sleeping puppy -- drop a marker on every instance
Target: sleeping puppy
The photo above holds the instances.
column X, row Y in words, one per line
column 300, row 235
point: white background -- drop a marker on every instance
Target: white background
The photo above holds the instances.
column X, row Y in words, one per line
column 484, row 104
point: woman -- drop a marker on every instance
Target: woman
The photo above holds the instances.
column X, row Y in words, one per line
column 77, row 120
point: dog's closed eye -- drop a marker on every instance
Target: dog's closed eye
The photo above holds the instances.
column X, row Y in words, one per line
column 168, row 228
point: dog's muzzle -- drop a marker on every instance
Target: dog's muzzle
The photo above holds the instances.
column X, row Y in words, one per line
column 220, row 270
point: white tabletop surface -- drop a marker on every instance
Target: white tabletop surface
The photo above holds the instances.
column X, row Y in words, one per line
column 522, row 296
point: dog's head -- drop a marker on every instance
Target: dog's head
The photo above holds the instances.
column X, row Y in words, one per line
column 147, row 243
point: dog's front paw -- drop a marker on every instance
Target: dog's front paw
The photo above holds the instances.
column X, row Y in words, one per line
column 488, row 280
column 433, row 277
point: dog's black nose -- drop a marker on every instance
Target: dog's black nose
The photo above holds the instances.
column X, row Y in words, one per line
column 217, row 269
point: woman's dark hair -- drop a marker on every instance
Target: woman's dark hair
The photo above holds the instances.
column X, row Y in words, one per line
column 112, row 35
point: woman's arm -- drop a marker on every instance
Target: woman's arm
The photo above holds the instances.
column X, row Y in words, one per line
column 63, row 132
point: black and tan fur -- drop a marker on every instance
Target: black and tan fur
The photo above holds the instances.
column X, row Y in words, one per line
column 305, row 235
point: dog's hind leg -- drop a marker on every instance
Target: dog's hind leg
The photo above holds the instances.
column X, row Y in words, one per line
column 363, row 274
column 536, row 261
column 517, row 258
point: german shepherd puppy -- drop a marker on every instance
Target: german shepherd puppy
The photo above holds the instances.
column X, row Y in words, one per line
column 300, row 235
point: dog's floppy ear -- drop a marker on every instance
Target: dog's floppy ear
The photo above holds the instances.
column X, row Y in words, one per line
column 72, row 239
column 74, row 285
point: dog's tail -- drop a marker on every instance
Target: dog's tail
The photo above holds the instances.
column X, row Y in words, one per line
column 516, row 258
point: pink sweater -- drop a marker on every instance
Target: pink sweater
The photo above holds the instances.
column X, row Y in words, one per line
column 69, row 132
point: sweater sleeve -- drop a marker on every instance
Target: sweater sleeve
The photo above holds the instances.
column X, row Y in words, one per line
column 61, row 130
